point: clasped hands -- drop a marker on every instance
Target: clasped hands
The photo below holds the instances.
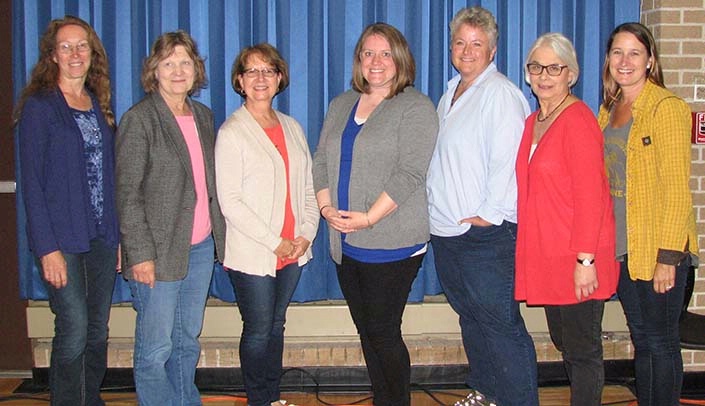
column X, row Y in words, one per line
column 346, row 221
column 292, row 249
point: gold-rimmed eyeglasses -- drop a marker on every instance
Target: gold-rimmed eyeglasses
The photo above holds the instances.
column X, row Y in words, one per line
column 254, row 72
column 67, row 48
column 552, row 70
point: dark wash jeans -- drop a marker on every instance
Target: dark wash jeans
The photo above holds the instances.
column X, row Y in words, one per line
column 376, row 295
column 653, row 323
column 476, row 271
column 576, row 331
column 262, row 301
column 80, row 344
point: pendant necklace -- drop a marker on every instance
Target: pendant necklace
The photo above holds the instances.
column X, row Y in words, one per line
column 541, row 120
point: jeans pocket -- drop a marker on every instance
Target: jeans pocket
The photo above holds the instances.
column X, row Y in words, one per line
column 494, row 231
column 511, row 229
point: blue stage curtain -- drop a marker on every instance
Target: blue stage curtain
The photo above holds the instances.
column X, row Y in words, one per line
column 317, row 38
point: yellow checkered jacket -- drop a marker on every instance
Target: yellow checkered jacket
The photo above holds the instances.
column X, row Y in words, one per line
column 658, row 198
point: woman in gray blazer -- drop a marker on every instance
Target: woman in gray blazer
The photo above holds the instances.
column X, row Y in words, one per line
column 170, row 220
column 370, row 180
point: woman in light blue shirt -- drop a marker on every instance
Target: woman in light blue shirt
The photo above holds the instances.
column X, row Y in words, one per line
column 472, row 203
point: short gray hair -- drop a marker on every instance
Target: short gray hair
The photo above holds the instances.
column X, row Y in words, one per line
column 477, row 17
column 563, row 49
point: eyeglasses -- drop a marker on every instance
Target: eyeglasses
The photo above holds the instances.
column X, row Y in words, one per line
column 266, row 72
column 552, row 70
column 67, row 49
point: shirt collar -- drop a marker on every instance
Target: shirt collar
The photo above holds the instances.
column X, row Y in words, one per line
column 490, row 69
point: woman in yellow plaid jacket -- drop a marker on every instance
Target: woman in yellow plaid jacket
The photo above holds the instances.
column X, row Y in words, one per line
column 647, row 155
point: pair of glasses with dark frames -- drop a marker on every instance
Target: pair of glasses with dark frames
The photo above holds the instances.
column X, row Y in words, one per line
column 552, row 70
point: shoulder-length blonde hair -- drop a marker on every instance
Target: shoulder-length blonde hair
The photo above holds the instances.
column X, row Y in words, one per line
column 611, row 91
column 161, row 49
column 45, row 74
column 401, row 55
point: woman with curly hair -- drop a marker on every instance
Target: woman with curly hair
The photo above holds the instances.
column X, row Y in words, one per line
column 66, row 136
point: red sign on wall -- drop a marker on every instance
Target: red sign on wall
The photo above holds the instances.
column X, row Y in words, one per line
column 698, row 128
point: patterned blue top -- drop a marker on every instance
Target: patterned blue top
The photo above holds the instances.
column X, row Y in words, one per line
column 93, row 153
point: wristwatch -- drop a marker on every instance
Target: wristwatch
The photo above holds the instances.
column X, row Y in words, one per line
column 586, row 261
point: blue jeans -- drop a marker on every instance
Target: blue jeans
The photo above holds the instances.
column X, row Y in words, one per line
column 262, row 301
column 376, row 294
column 80, row 344
column 169, row 321
column 653, row 323
column 476, row 271
column 576, row 331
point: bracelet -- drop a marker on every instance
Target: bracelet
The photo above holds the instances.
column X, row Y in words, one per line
column 320, row 211
column 367, row 217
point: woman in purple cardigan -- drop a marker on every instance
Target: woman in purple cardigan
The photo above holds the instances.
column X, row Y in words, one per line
column 67, row 180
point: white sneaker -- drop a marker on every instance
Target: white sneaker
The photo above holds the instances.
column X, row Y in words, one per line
column 474, row 398
column 282, row 402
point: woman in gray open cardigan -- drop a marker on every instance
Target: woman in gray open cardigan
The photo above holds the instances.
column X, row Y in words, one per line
column 370, row 176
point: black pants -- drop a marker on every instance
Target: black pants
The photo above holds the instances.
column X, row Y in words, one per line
column 376, row 295
column 576, row 331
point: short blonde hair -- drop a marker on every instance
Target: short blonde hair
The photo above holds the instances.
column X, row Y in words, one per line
column 476, row 17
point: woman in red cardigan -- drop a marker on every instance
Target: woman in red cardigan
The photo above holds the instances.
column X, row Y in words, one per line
column 565, row 244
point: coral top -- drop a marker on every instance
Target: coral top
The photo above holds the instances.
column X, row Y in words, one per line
column 563, row 207
column 276, row 135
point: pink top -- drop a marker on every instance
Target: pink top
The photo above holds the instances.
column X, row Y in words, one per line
column 201, row 218
column 276, row 135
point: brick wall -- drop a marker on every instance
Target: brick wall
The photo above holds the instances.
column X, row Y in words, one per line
column 679, row 29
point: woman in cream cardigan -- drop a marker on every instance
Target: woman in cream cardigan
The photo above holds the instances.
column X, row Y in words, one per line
column 265, row 188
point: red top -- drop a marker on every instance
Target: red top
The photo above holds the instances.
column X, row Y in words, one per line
column 563, row 207
column 276, row 135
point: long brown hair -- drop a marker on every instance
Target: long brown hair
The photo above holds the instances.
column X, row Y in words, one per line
column 45, row 74
column 610, row 89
